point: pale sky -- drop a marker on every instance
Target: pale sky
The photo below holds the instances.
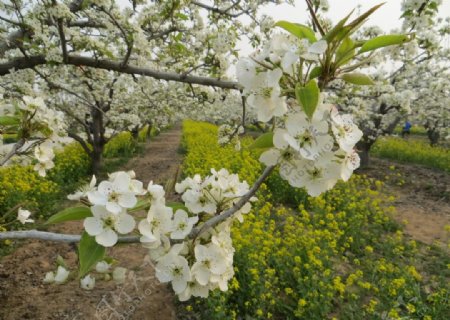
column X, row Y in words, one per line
column 387, row 17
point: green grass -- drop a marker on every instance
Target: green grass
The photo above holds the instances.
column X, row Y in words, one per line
column 412, row 151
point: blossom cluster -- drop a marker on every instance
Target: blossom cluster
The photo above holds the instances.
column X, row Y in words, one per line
column 311, row 151
column 193, row 264
column 204, row 263
column 229, row 133
column 42, row 129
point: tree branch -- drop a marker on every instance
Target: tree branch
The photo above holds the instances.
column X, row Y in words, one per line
column 30, row 62
column 83, row 143
column 58, row 237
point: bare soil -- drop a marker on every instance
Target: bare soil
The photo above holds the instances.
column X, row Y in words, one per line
column 422, row 198
column 24, row 296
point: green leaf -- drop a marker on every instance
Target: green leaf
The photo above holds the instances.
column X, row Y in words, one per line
column 70, row 214
column 298, row 30
column 355, row 24
column 182, row 16
column 315, row 73
column 177, row 205
column 345, row 52
column 9, row 121
column 89, row 253
column 308, row 97
column 329, row 37
column 383, row 41
column 357, row 78
column 264, row 141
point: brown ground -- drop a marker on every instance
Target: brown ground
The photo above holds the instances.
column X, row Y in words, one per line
column 24, row 296
column 422, row 198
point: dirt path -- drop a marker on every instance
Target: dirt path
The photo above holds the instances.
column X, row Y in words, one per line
column 24, row 296
column 422, row 198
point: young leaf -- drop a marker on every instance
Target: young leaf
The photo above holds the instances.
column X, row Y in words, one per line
column 383, row 41
column 264, row 141
column 337, row 28
column 8, row 121
column 298, row 30
column 308, row 97
column 315, row 72
column 357, row 78
column 355, row 24
column 345, row 52
column 70, row 214
column 89, row 253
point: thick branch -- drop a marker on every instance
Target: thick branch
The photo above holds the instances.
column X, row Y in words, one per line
column 80, row 140
column 58, row 237
column 211, row 223
column 30, row 62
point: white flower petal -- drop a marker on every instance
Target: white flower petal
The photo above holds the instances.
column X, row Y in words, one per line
column 124, row 223
column 93, row 226
column 107, row 238
column 270, row 157
column 127, row 200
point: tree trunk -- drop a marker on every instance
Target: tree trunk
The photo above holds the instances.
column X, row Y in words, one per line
column 135, row 133
column 433, row 136
column 98, row 140
column 97, row 161
column 363, row 148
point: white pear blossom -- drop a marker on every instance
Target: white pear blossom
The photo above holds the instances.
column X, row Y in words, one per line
column 61, row 275
column 182, row 224
column 267, row 99
column 23, row 216
column 84, row 190
column 315, row 50
column 115, row 194
column 104, row 225
column 156, row 225
column 209, row 261
column 43, row 167
column 350, row 163
column 347, row 134
column 157, row 193
column 194, row 289
column 87, row 283
column 317, row 175
column 49, row 277
column 174, row 268
column 309, row 137
column 102, row 267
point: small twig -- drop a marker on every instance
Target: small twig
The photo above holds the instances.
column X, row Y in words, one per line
column 15, row 149
column 228, row 213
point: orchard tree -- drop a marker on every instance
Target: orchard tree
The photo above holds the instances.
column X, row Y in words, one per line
column 431, row 109
column 75, row 46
